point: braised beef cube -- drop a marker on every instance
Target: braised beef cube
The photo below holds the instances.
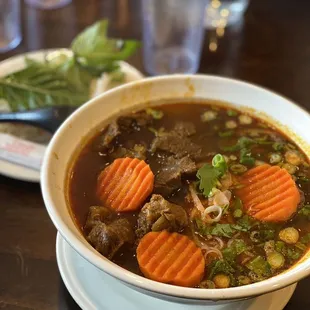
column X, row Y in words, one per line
column 97, row 214
column 173, row 143
column 138, row 151
column 159, row 214
column 169, row 176
column 132, row 121
column 109, row 238
column 185, row 129
column 177, row 141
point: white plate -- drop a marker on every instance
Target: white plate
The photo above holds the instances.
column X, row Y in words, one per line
column 93, row 289
column 17, row 63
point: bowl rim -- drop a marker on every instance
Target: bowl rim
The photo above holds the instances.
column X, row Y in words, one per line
column 292, row 275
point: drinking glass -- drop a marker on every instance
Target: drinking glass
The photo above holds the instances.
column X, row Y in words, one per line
column 222, row 13
column 172, row 35
column 48, row 4
column 10, row 25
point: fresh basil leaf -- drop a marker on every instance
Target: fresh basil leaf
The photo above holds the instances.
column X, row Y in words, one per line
column 38, row 86
column 75, row 74
column 94, row 45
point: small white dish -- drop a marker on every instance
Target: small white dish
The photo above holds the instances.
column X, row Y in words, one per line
column 15, row 63
column 93, row 289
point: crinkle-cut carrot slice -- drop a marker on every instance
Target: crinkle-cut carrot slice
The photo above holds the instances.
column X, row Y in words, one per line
column 125, row 184
column 170, row 258
column 269, row 193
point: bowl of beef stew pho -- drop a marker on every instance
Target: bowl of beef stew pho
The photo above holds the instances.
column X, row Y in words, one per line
column 192, row 187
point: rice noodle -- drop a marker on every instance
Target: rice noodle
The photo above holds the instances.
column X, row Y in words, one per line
column 197, row 202
column 212, row 209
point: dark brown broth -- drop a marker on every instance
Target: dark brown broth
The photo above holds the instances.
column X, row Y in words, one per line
column 90, row 163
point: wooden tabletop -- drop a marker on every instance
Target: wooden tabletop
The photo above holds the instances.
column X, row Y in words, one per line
column 271, row 48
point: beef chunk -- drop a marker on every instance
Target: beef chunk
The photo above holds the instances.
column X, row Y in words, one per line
column 160, row 214
column 96, row 215
column 109, row 238
column 185, row 129
column 138, row 151
column 111, row 132
column 168, row 178
column 132, row 121
column 177, row 141
column 127, row 123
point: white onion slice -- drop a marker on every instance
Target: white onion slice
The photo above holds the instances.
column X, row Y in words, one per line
column 222, row 198
column 213, row 250
column 212, row 209
column 196, row 200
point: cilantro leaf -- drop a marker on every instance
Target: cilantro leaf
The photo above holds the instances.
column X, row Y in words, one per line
column 208, row 176
column 219, row 266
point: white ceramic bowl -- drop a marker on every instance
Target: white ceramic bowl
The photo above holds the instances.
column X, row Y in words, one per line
column 96, row 113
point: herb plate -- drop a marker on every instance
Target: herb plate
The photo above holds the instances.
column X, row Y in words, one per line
column 34, row 134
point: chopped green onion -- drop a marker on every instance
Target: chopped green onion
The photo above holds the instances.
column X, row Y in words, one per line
column 303, row 179
column 289, row 235
column 225, row 134
column 156, row 114
column 208, row 116
column 238, row 168
column 293, row 157
column 291, row 169
column 243, row 280
column 259, row 266
column 231, row 124
column 232, row 113
column 245, row 119
column 238, row 213
column 233, row 157
column 276, row 260
column 207, row 284
column 246, row 158
column 278, row 146
column 221, row 281
column 275, row 158
column 219, row 162
column 269, row 247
